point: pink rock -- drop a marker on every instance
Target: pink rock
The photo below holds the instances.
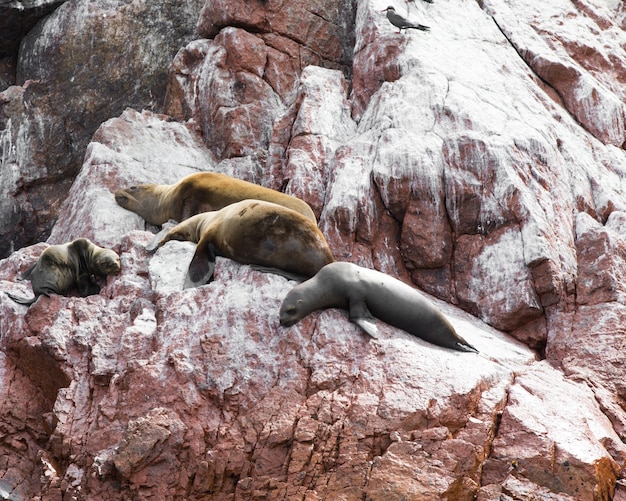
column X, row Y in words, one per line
column 162, row 152
column 565, row 55
column 526, row 447
column 323, row 29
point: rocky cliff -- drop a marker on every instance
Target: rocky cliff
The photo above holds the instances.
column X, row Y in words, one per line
column 482, row 161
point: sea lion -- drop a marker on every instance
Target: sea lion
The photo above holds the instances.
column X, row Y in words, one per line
column 197, row 193
column 61, row 268
column 250, row 232
column 367, row 294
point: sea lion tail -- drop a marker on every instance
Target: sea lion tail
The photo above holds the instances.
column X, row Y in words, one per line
column 21, row 299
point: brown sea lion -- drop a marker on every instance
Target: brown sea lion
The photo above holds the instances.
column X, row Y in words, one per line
column 61, row 268
column 250, row 232
column 197, row 193
column 367, row 294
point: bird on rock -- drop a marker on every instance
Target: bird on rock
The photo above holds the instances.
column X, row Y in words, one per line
column 401, row 22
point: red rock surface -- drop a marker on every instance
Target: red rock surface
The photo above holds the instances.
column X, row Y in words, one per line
column 481, row 161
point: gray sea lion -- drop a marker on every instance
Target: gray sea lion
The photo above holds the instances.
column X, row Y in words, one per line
column 197, row 193
column 401, row 22
column 367, row 294
column 250, row 232
column 61, row 268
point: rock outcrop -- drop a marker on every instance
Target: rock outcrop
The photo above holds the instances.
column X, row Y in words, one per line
column 482, row 162
column 79, row 66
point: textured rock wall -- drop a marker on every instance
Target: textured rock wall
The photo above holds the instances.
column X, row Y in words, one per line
column 482, row 161
column 79, row 66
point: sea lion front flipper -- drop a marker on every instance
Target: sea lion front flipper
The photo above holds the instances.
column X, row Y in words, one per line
column 26, row 275
column 201, row 267
column 155, row 243
column 86, row 287
column 21, row 299
column 361, row 316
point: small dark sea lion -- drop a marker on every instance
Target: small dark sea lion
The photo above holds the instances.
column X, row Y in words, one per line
column 61, row 268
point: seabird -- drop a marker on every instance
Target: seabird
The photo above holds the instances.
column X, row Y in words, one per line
column 401, row 22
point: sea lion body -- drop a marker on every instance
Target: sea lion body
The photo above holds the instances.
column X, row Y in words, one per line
column 366, row 294
column 198, row 193
column 60, row 268
column 250, row 232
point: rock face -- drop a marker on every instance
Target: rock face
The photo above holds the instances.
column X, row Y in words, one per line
column 482, row 161
column 17, row 18
column 78, row 67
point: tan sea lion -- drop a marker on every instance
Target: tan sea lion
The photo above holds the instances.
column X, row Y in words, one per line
column 250, row 232
column 197, row 193
column 60, row 268
column 367, row 294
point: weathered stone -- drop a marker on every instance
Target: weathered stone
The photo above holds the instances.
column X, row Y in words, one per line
column 162, row 153
column 560, row 453
column 585, row 75
column 321, row 28
column 78, row 67
column 17, row 18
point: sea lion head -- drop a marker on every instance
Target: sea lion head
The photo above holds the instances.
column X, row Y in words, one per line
column 293, row 307
column 128, row 197
column 106, row 262
column 150, row 201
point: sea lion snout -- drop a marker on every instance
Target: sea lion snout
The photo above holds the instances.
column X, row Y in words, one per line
column 289, row 312
column 121, row 198
column 124, row 196
column 287, row 322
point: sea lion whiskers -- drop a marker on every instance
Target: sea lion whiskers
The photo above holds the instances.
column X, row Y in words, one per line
column 155, row 210
column 312, row 295
column 158, row 207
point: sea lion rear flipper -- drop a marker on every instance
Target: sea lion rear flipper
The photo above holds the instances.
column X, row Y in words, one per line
column 25, row 275
column 201, row 267
column 21, row 299
column 463, row 345
column 361, row 316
